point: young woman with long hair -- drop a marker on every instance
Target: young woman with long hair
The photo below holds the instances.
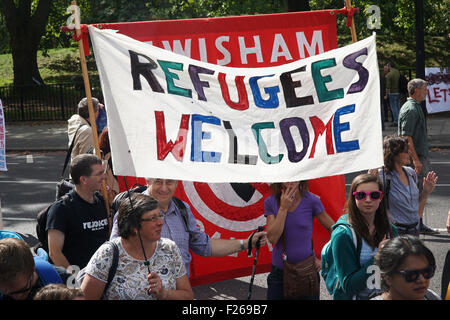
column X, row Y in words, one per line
column 366, row 218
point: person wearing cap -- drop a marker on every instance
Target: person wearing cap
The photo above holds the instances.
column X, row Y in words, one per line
column 79, row 128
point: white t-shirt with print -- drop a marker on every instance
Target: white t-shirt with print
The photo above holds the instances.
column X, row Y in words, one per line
column 130, row 281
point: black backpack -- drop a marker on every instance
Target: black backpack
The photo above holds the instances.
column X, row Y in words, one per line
column 42, row 223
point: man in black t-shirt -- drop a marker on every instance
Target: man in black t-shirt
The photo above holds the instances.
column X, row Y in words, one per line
column 79, row 225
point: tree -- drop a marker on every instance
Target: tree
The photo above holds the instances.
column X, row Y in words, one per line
column 296, row 5
column 26, row 21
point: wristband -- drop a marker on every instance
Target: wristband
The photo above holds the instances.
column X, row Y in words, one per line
column 242, row 244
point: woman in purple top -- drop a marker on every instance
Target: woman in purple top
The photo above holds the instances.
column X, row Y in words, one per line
column 291, row 209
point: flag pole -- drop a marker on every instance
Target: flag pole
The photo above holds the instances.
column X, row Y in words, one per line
column 87, row 89
column 348, row 5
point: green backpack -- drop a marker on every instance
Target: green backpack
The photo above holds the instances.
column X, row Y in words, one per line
column 328, row 271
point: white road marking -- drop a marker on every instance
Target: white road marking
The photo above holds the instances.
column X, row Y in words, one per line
column 18, row 219
column 27, row 182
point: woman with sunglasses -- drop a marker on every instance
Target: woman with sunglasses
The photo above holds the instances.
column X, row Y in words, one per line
column 406, row 267
column 365, row 218
column 404, row 201
column 149, row 267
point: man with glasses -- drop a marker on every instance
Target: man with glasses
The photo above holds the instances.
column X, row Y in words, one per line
column 184, row 231
column 20, row 275
column 78, row 225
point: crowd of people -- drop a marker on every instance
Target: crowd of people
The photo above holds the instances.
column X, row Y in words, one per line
column 147, row 254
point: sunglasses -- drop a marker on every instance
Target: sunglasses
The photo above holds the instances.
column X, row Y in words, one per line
column 413, row 275
column 154, row 217
column 374, row 195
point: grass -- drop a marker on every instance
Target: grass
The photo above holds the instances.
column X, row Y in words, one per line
column 62, row 64
column 58, row 65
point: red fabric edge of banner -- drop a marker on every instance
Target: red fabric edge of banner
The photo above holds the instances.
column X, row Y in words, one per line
column 240, row 272
column 200, row 22
column 229, row 274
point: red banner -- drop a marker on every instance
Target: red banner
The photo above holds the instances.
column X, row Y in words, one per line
column 233, row 211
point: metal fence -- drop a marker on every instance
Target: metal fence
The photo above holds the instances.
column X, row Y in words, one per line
column 42, row 102
column 52, row 101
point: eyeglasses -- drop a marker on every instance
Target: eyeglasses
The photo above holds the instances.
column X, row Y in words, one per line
column 413, row 275
column 374, row 195
column 23, row 290
column 154, row 217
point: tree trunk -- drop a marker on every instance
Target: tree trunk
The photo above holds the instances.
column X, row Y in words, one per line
column 298, row 5
column 26, row 30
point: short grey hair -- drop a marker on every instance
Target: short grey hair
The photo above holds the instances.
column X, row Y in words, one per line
column 83, row 109
column 415, row 84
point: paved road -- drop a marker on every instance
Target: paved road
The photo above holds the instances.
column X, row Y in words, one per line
column 29, row 185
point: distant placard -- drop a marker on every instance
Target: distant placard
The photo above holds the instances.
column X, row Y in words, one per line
column 438, row 98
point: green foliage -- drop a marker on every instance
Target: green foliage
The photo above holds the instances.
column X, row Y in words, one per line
column 397, row 17
column 396, row 37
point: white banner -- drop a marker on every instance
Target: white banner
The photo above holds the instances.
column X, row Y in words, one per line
column 438, row 86
column 173, row 117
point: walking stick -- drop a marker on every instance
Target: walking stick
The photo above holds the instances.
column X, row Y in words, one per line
column 260, row 228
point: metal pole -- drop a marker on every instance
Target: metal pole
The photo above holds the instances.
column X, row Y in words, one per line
column 420, row 47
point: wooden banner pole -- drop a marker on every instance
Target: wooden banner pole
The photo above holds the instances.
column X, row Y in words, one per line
column 348, row 5
column 87, row 89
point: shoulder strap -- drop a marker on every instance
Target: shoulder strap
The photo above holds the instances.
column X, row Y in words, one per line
column 180, row 205
column 357, row 241
column 46, row 271
column 69, row 151
column 115, row 262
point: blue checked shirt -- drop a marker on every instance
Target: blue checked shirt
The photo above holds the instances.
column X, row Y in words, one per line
column 174, row 228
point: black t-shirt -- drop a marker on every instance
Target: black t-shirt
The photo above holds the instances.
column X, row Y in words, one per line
column 85, row 226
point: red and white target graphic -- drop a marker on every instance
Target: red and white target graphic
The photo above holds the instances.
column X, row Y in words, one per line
column 233, row 206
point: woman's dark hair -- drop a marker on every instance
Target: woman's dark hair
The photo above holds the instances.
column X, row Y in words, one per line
column 393, row 146
column 131, row 212
column 275, row 189
column 103, row 141
column 382, row 225
column 392, row 255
